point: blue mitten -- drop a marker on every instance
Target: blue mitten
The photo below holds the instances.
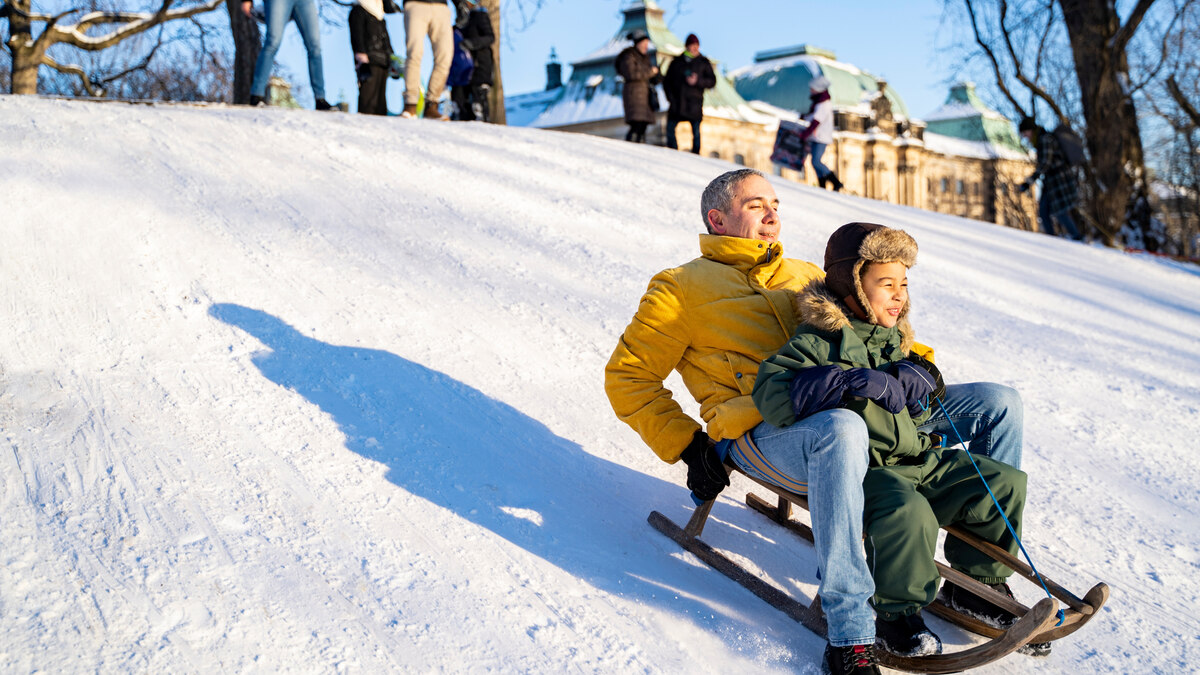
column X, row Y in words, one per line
column 877, row 386
column 917, row 383
column 817, row 388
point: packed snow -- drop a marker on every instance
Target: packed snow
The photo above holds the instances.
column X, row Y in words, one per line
column 312, row 392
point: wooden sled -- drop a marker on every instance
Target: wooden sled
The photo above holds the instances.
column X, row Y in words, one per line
column 1035, row 625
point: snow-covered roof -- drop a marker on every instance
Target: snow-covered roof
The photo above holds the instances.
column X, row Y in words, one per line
column 960, row 147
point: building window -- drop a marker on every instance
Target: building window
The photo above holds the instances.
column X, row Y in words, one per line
column 945, row 185
column 960, row 187
column 739, row 159
column 714, row 154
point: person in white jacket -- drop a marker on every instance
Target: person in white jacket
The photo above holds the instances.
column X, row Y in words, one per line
column 820, row 130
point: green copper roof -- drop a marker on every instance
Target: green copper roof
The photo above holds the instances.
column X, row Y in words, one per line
column 965, row 116
column 781, row 76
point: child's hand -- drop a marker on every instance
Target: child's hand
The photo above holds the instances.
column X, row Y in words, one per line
column 877, row 386
column 817, row 388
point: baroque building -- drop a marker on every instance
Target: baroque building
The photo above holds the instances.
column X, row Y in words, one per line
column 962, row 158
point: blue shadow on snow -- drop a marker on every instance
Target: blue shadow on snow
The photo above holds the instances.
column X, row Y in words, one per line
column 492, row 465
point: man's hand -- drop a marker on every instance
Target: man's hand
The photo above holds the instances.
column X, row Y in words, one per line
column 247, row 8
column 877, row 386
column 706, row 475
column 692, row 79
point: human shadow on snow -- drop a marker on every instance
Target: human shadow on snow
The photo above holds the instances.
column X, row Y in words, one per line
column 494, row 466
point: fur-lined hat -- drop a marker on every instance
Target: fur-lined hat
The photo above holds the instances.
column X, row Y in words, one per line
column 853, row 245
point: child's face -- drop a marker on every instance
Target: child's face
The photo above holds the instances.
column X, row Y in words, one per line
column 886, row 288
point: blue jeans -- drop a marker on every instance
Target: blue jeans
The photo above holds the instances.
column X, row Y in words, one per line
column 815, row 152
column 304, row 13
column 1063, row 218
column 673, row 141
column 989, row 416
column 825, row 457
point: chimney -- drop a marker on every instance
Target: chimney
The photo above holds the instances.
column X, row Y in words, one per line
column 553, row 72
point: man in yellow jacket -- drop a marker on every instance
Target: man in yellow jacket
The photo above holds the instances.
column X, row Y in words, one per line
column 715, row 319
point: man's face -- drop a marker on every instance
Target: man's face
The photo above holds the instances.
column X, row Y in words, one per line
column 753, row 213
column 694, row 49
column 643, row 45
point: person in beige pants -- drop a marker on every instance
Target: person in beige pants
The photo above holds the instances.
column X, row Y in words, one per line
column 432, row 18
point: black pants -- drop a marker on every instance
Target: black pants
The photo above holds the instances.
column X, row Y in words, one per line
column 637, row 132
column 471, row 102
column 372, row 92
column 672, row 143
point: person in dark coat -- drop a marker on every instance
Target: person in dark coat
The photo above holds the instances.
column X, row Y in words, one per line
column 475, row 25
column 641, row 76
column 688, row 76
column 1060, row 187
column 372, row 47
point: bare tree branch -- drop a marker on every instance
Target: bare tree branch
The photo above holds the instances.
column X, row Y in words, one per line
column 1017, row 70
column 987, row 49
column 1184, row 104
column 134, row 23
column 77, row 71
column 1122, row 37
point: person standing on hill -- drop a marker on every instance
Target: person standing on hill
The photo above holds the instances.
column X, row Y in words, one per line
column 372, row 47
column 1060, row 187
column 688, row 76
column 820, row 130
column 278, row 14
column 426, row 18
column 641, row 76
column 477, row 38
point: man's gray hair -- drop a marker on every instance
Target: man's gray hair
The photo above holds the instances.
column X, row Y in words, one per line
column 719, row 193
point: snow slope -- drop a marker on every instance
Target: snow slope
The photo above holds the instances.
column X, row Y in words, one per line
column 303, row 392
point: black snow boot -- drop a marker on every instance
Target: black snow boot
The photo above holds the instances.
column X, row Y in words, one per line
column 850, row 660
column 822, row 180
column 961, row 600
column 322, row 104
column 833, row 180
column 257, row 101
column 906, row 635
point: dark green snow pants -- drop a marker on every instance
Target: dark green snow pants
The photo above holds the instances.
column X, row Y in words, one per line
column 906, row 505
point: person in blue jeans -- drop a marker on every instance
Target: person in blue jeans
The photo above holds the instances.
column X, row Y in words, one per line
column 278, row 14
column 714, row 320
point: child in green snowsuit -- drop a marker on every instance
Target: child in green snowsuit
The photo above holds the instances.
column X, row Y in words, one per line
column 853, row 350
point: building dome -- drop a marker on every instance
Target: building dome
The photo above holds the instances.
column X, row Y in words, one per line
column 781, row 76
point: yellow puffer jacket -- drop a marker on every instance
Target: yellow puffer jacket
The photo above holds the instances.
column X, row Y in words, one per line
column 713, row 319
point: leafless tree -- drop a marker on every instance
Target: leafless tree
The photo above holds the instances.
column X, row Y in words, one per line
column 1072, row 59
column 88, row 30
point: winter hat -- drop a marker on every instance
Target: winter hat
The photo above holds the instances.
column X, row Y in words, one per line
column 691, row 40
column 637, row 35
column 818, row 84
column 853, row 245
column 1027, row 124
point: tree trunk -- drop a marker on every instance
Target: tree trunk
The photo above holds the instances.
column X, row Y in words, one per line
column 1113, row 138
column 496, row 96
column 246, row 45
column 25, row 59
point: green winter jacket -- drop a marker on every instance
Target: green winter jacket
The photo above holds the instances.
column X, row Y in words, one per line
column 830, row 335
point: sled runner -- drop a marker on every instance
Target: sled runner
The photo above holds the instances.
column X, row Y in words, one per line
column 1035, row 625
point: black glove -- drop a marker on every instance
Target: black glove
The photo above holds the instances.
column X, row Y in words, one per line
column 917, row 382
column 363, row 70
column 1023, row 187
column 706, row 475
column 817, row 388
column 877, row 386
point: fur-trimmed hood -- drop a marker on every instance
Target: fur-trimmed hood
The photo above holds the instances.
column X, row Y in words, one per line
column 816, row 306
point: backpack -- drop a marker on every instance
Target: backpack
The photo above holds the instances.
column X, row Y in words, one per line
column 463, row 66
column 1070, row 143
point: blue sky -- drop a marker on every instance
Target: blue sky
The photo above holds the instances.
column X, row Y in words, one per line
column 899, row 41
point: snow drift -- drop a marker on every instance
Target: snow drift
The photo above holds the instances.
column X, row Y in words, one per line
column 289, row 391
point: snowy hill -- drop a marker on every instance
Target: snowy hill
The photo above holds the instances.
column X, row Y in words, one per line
column 302, row 392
